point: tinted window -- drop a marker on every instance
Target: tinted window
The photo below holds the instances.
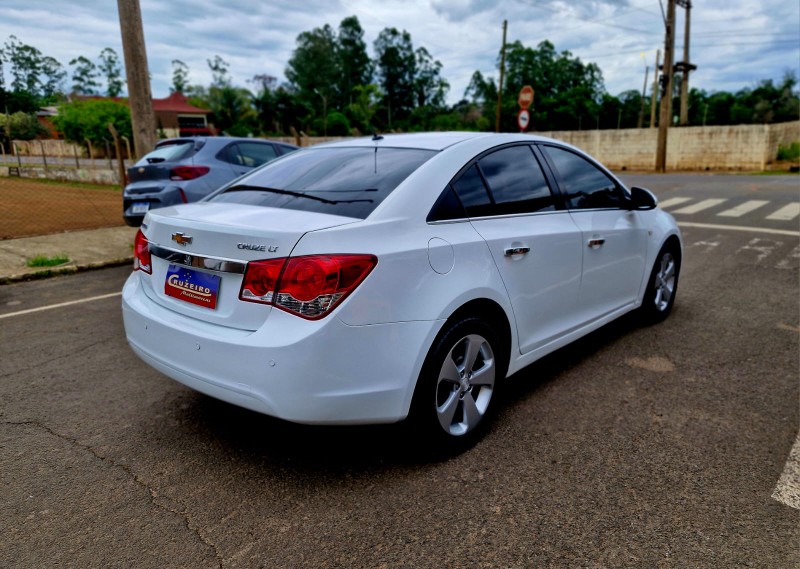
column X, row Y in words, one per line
column 584, row 184
column 339, row 181
column 255, row 154
column 446, row 207
column 516, row 181
column 472, row 192
column 170, row 152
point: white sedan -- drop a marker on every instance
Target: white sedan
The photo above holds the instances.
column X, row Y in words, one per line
column 385, row 278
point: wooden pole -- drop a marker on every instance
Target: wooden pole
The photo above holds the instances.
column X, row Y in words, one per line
column 500, row 83
column 665, row 120
column 139, row 95
column 654, row 96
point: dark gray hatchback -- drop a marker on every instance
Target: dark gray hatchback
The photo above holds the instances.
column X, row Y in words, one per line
column 183, row 170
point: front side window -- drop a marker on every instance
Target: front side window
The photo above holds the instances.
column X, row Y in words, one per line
column 584, row 184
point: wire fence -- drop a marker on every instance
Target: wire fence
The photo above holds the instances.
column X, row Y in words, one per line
column 32, row 206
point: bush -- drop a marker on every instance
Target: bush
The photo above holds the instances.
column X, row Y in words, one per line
column 21, row 126
column 790, row 152
column 89, row 119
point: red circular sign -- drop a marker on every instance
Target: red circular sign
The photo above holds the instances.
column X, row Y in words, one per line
column 523, row 119
column 525, row 99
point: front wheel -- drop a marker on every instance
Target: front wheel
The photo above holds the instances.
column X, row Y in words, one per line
column 458, row 384
column 662, row 286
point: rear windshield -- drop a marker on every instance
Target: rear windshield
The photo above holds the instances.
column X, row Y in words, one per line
column 341, row 181
column 170, row 152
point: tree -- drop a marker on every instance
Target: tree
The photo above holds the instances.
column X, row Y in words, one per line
column 396, row 66
column 180, row 76
column 84, row 76
column 20, row 126
column 54, row 75
column 364, row 106
column 89, row 119
column 219, row 72
column 263, row 102
column 353, row 60
column 430, row 89
column 111, row 69
column 25, row 65
column 314, row 68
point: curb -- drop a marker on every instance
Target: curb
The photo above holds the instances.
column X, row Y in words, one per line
column 49, row 273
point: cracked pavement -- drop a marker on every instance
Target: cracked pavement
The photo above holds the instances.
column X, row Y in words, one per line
column 636, row 447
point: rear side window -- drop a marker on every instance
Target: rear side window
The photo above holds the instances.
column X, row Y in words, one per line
column 255, row 154
column 516, row 181
column 340, row 181
column 473, row 193
column 171, row 152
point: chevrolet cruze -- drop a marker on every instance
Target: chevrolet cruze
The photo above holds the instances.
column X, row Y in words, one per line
column 397, row 277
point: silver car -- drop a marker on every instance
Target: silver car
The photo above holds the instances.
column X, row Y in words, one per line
column 183, row 170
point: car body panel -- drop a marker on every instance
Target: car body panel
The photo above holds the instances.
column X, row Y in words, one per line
column 361, row 362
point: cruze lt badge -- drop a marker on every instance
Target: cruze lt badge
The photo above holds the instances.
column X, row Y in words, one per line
column 254, row 247
column 181, row 239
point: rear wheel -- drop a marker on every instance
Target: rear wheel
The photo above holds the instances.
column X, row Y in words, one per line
column 662, row 286
column 458, row 384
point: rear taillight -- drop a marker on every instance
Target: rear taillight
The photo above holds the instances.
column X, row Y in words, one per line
column 141, row 254
column 187, row 172
column 309, row 286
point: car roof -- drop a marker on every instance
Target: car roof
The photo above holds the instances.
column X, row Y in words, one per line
column 217, row 141
column 434, row 140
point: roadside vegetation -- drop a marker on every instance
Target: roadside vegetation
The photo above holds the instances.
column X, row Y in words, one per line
column 336, row 86
column 45, row 261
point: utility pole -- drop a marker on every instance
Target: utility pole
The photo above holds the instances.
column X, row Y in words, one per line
column 644, row 94
column 500, row 84
column 665, row 119
column 140, row 97
column 684, row 66
column 654, row 96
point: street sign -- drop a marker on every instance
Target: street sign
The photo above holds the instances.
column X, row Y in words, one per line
column 523, row 119
column 525, row 99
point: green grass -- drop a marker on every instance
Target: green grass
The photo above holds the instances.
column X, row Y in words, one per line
column 789, row 152
column 45, row 261
column 64, row 184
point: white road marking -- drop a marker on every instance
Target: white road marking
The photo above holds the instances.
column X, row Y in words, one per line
column 700, row 206
column 787, row 262
column 764, row 247
column 709, row 245
column 59, row 305
column 786, row 213
column 743, row 208
column 672, row 201
column 787, row 490
column 741, row 228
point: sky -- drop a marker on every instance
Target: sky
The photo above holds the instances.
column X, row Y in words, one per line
column 734, row 43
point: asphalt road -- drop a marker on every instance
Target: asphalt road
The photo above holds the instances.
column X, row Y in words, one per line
column 636, row 447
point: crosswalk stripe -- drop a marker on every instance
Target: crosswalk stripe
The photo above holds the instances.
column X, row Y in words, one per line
column 744, row 208
column 672, row 201
column 786, row 213
column 700, row 206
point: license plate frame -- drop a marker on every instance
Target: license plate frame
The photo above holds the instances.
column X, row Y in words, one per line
column 191, row 286
column 140, row 207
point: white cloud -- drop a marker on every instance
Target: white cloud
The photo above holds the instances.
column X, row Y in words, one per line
column 735, row 43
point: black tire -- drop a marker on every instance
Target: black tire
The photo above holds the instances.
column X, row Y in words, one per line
column 454, row 399
column 662, row 286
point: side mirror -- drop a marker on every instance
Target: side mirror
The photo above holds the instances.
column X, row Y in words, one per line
column 642, row 199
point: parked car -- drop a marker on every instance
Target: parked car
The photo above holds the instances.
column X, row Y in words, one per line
column 183, row 170
column 386, row 278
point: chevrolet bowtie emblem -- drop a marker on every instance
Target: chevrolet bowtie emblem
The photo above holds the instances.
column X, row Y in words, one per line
column 181, row 239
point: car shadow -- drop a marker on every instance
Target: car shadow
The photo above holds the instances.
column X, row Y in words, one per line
column 334, row 450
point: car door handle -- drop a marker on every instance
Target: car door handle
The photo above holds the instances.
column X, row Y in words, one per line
column 511, row 251
column 596, row 242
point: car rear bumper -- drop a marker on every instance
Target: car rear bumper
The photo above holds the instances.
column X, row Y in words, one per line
column 322, row 372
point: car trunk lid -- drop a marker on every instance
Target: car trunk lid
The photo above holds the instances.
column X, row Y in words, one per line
column 200, row 253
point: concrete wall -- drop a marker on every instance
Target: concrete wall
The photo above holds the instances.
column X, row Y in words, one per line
column 740, row 147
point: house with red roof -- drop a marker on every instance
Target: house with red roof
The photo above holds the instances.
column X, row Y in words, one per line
column 175, row 114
